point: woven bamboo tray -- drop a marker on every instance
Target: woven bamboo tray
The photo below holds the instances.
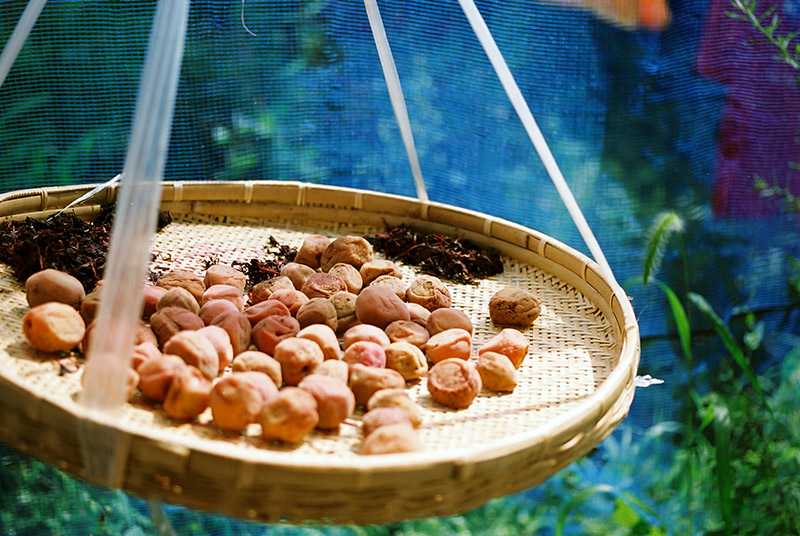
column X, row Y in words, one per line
column 575, row 386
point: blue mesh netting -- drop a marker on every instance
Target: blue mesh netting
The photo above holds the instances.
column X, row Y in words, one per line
column 640, row 122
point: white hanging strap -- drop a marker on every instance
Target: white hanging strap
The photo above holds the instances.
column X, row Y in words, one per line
column 91, row 193
column 19, row 36
column 395, row 94
column 518, row 101
column 121, row 299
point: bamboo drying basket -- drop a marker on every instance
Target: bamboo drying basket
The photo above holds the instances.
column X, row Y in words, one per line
column 575, row 386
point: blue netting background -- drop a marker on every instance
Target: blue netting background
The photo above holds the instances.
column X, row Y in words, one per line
column 639, row 121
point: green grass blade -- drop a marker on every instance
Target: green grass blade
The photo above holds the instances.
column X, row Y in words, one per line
column 632, row 499
column 680, row 319
column 724, row 472
column 683, row 327
column 665, row 225
column 576, row 500
column 586, row 493
column 729, row 341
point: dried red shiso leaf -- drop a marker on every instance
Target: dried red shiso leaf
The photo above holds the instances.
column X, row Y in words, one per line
column 62, row 242
column 258, row 270
column 444, row 256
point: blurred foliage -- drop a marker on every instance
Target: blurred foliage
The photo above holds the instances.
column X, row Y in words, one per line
column 789, row 201
column 72, row 95
column 71, row 129
column 238, row 137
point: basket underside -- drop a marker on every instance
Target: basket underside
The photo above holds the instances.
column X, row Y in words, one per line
column 574, row 387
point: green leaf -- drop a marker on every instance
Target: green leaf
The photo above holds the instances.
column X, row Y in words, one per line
column 784, row 40
column 632, row 499
column 752, row 339
column 577, row 500
column 680, row 319
column 728, row 340
column 775, row 19
column 707, row 415
column 767, row 13
column 665, row 225
column 624, row 515
column 734, row 15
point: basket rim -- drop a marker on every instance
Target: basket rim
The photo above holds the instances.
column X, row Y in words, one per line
column 619, row 377
column 615, row 392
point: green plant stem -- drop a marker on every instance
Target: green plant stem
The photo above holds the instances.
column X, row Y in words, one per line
column 683, row 327
column 690, row 393
column 781, row 42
